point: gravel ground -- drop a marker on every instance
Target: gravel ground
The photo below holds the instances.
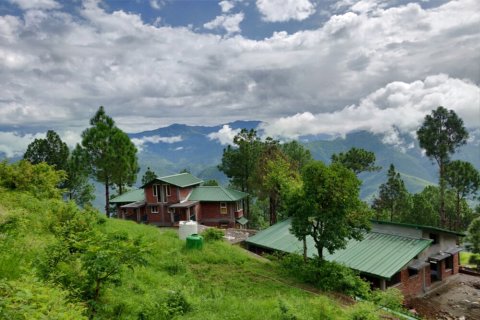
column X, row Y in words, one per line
column 459, row 298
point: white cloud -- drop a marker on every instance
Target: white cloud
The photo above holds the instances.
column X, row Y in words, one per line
column 13, row 144
column 285, row 10
column 156, row 4
column 397, row 108
column 226, row 5
column 231, row 23
column 140, row 142
column 36, row 4
column 225, row 135
column 57, row 68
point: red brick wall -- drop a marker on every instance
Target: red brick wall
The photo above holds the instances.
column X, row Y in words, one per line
column 428, row 279
column 149, row 194
column 209, row 214
column 184, row 192
column 173, row 197
column 456, row 264
column 412, row 286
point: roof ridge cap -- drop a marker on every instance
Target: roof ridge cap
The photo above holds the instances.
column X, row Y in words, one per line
column 173, row 175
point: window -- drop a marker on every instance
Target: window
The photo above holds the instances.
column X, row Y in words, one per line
column 449, row 263
column 168, row 190
column 163, row 192
column 223, row 207
column 155, row 190
column 154, row 209
column 434, row 237
column 412, row 272
column 239, row 205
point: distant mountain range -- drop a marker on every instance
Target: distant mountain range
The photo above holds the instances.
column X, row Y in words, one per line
column 170, row 149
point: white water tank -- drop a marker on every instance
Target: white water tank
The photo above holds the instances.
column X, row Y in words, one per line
column 186, row 228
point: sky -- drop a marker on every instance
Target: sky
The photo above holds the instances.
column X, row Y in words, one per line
column 303, row 67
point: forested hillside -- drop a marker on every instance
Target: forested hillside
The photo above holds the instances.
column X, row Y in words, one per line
column 61, row 262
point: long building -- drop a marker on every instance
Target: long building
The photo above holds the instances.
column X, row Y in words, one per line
column 412, row 258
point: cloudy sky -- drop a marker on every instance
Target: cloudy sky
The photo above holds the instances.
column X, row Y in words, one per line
column 301, row 66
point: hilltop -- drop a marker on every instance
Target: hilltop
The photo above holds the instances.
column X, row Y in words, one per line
column 219, row 282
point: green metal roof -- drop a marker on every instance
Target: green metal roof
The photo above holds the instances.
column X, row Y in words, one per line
column 421, row 227
column 130, row 196
column 181, row 180
column 378, row 254
column 216, row 193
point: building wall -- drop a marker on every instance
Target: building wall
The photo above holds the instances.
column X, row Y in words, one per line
column 413, row 285
column 445, row 242
column 174, row 197
column 209, row 214
column 183, row 193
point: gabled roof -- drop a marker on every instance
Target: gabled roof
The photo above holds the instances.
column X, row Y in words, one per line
column 378, row 254
column 130, row 196
column 216, row 193
column 421, row 227
column 181, row 180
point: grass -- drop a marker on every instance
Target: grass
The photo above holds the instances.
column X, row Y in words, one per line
column 219, row 282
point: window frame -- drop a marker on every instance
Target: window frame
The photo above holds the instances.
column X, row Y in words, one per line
column 154, row 209
column 223, row 207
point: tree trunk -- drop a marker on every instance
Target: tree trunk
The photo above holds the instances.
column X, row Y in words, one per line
column 95, row 299
column 320, row 252
column 457, row 224
column 272, row 207
column 443, row 219
column 107, row 198
column 305, row 248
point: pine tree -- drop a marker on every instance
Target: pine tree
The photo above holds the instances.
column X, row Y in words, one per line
column 393, row 198
column 110, row 154
column 441, row 134
column 148, row 176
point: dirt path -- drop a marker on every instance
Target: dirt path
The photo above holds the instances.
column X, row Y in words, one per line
column 457, row 299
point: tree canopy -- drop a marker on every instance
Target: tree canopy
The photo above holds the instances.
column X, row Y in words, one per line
column 464, row 179
column 356, row 159
column 327, row 207
column 148, row 176
column 109, row 153
column 393, row 198
column 51, row 150
column 441, row 133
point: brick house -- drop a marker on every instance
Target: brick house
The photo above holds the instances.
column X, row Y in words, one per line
column 412, row 258
column 167, row 200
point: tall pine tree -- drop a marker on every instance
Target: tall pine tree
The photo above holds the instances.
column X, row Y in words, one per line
column 110, row 154
column 441, row 134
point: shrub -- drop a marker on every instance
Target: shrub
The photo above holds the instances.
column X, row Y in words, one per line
column 177, row 304
column 327, row 276
column 29, row 298
column 213, row 234
column 391, row 298
column 364, row 311
column 475, row 259
column 285, row 313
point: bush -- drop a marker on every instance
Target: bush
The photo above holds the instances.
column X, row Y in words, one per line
column 475, row 259
column 29, row 298
column 327, row 276
column 213, row 234
column 364, row 311
column 285, row 313
column 177, row 304
column 391, row 298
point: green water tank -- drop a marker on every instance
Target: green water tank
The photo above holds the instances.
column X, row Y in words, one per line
column 194, row 241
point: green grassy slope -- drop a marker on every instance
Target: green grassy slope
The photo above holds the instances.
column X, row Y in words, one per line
column 219, row 282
